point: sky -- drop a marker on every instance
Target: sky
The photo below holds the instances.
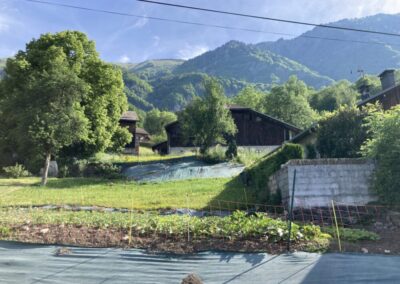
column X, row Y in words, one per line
column 136, row 39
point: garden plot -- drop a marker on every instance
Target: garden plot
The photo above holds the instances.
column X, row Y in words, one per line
column 179, row 170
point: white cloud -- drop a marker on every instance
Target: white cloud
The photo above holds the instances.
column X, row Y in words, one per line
column 156, row 40
column 190, row 51
column 124, row 59
column 140, row 23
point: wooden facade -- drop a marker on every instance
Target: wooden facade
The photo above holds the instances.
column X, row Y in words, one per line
column 257, row 129
column 129, row 120
column 254, row 129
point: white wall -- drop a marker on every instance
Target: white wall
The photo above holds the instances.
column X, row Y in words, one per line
column 320, row 181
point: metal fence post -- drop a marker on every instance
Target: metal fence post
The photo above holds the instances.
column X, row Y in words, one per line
column 291, row 210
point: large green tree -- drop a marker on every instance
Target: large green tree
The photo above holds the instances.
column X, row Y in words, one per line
column 156, row 121
column 341, row 134
column 250, row 97
column 207, row 120
column 289, row 102
column 334, row 96
column 384, row 146
column 59, row 82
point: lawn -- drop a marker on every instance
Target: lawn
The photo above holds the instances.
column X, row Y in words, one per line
column 195, row 194
column 146, row 155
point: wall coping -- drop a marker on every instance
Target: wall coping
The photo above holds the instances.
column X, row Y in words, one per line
column 330, row 161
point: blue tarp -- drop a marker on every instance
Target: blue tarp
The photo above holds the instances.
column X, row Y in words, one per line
column 177, row 170
column 24, row 263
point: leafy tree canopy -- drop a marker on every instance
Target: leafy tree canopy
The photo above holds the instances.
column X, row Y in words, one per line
column 334, row 96
column 384, row 146
column 250, row 97
column 207, row 120
column 57, row 95
column 289, row 102
column 340, row 134
column 156, row 120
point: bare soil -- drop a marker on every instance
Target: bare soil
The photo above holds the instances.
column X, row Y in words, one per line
column 100, row 237
column 387, row 244
column 111, row 237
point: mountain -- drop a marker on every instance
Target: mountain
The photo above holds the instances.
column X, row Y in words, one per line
column 173, row 92
column 249, row 63
column 340, row 59
column 153, row 69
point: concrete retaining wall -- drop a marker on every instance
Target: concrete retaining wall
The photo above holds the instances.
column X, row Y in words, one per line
column 320, row 181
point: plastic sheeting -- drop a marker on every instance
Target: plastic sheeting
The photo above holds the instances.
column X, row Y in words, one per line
column 187, row 169
column 23, row 263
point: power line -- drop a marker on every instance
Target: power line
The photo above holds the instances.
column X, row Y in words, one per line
column 201, row 24
column 268, row 18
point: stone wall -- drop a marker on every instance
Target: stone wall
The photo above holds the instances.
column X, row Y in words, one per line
column 320, row 181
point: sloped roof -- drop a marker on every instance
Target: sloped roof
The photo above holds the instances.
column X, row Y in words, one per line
column 130, row 116
column 380, row 94
column 241, row 108
column 141, row 131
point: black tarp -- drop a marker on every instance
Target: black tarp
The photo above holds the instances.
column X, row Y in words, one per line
column 24, row 263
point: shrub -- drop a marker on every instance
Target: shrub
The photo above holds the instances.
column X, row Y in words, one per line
column 16, row 171
column 248, row 156
column 340, row 134
column 257, row 176
column 384, row 146
column 214, row 155
column 352, row 235
column 102, row 170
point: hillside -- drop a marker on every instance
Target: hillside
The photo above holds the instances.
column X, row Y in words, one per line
column 175, row 91
column 339, row 59
column 153, row 69
column 249, row 63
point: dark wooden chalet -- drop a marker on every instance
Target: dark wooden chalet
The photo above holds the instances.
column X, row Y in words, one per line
column 388, row 97
column 129, row 119
column 255, row 130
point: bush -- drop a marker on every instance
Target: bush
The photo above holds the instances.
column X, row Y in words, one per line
column 16, row 171
column 102, row 170
column 384, row 146
column 257, row 176
column 340, row 134
column 248, row 156
column 352, row 235
column 214, row 155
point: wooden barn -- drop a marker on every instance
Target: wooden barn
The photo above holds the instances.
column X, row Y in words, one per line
column 388, row 97
column 255, row 130
column 129, row 119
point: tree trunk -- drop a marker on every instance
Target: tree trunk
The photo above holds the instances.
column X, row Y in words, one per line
column 46, row 169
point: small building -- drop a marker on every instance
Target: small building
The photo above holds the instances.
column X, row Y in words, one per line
column 129, row 120
column 388, row 97
column 142, row 135
column 255, row 130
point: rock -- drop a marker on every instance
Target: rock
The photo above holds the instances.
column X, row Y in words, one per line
column 62, row 251
column 44, row 231
column 53, row 169
column 364, row 250
column 25, row 228
column 378, row 224
column 387, row 251
column 192, row 279
column 394, row 217
column 125, row 238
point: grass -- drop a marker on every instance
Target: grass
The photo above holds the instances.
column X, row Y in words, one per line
column 146, row 155
column 195, row 194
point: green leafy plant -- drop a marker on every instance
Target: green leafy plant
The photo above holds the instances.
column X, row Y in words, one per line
column 256, row 176
column 17, row 171
column 352, row 235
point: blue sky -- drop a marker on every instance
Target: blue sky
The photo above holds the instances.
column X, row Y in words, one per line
column 129, row 39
